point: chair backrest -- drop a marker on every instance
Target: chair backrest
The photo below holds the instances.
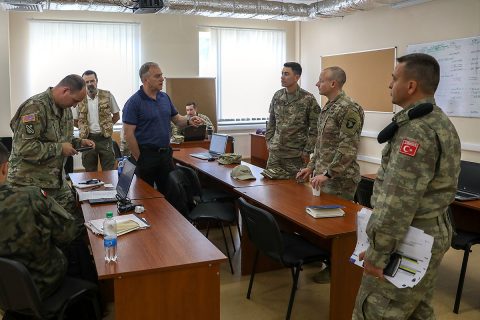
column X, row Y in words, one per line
column 179, row 192
column 17, row 289
column 364, row 192
column 116, row 150
column 192, row 176
column 262, row 229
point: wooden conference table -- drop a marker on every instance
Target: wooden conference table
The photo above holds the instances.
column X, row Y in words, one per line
column 167, row 271
column 287, row 200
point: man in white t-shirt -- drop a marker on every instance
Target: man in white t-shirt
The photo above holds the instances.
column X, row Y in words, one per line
column 95, row 117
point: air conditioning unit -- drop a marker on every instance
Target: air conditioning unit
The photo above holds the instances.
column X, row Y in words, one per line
column 148, row 6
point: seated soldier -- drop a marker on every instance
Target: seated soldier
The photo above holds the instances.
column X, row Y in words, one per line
column 35, row 229
column 191, row 109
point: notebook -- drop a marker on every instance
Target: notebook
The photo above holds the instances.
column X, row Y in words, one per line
column 121, row 192
column 468, row 182
column 192, row 133
column 325, row 211
column 218, row 144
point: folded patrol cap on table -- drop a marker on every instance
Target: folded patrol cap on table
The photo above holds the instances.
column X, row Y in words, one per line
column 276, row 173
column 177, row 139
column 229, row 158
column 242, row 172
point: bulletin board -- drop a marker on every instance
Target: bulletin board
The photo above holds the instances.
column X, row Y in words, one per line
column 369, row 74
column 200, row 90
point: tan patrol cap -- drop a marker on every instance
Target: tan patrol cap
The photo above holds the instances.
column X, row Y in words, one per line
column 242, row 172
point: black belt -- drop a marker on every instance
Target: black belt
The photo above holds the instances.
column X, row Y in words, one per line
column 146, row 147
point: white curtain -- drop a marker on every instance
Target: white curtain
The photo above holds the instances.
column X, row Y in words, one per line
column 59, row 48
column 247, row 64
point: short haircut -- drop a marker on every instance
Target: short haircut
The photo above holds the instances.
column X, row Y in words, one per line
column 193, row 104
column 90, row 72
column 296, row 67
column 4, row 154
column 424, row 69
column 337, row 74
column 73, row 81
column 143, row 72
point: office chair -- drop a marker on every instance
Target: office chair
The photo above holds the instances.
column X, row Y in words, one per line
column 462, row 240
column 203, row 194
column 290, row 250
column 19, row 295
column 116, row 150
column 364, row 192
column 181, row 196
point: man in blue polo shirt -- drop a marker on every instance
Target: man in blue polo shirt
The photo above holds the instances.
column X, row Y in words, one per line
column 146, row 125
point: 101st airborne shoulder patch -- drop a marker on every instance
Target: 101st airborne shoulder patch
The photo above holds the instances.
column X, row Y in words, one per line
column 351, row 123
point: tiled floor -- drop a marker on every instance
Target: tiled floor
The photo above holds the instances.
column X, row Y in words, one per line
column 271, row 291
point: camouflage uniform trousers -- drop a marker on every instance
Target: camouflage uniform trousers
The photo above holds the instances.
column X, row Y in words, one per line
column 291, row 165
column 379, row 299
column 103, row 149
column 64, row 197
column 343, row 188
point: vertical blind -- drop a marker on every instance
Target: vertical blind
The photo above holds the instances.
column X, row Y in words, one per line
column 59, row 48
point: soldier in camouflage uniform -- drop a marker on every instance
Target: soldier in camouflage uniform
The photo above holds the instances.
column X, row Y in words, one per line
column 416, row 182
column 292, row 126
column 191, row 110
column 43, row 139
column 34, row 230
column 339, row 127
column 95, row 117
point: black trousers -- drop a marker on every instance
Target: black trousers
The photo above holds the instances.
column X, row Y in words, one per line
column 154, row 165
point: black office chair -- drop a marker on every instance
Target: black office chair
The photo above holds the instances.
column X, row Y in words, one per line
column 364, row 192
column 116, row 150
column 19, row 295
column 181, row 196
column 204, row 194
column 462, row 240
column 290, row 250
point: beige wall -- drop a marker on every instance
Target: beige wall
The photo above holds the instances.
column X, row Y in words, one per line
column 386, row 27
column 4, row 77
column 170, row 40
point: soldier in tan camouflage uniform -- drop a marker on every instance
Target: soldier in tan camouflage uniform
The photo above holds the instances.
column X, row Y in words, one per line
column 95, row 117
column 416, row 182
column 292, row 126
column 34, row 230
column 339, row 127
column 43, row 139
column 192, row 110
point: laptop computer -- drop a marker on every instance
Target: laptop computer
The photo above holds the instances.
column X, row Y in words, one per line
column 123, row 186
column 218, row 144
column 192, row 133
column 468, row 182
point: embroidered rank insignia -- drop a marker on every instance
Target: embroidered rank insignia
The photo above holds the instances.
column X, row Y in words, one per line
column 44, row 193
column 29, row 128
column 29, row 118
column 409, row 148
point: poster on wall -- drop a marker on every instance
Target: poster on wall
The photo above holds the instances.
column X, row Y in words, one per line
column 458, row 93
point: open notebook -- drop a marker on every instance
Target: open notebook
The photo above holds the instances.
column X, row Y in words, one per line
column 125, row 224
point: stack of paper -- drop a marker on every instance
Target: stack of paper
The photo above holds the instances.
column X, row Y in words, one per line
column 100, row 194
column 125, row 224
column 326, row 211
column 415, row 251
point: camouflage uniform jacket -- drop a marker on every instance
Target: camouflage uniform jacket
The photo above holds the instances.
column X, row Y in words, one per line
column 292, row 125
column 339, row 128
column 177, row 131
column 416, row 181
column 34, row 229
column 104, row 115
column 39, row 129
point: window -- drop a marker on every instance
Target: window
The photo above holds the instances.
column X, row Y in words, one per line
column 59, row 48
column 247, row 64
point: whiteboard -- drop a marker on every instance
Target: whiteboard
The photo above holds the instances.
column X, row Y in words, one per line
column 458, row 93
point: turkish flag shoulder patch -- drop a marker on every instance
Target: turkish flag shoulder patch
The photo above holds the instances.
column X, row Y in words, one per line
column 409, row 148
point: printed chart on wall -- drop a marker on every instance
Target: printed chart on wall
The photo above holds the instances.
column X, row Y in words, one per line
column 458, row 93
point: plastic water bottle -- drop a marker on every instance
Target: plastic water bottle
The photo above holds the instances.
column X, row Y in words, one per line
column 121, row 162
column 110, row 237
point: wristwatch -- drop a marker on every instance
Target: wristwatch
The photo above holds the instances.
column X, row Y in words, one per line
column 326, row 174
